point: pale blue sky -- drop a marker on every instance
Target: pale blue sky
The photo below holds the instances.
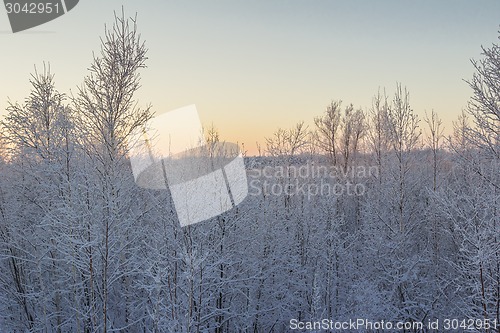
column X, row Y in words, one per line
column 254, row 66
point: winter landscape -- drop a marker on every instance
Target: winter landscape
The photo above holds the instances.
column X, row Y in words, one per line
column 377, row 218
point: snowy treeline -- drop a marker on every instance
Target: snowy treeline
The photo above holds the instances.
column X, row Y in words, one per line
column 83, row 249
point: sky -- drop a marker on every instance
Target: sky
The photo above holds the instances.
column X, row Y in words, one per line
column 252, row 67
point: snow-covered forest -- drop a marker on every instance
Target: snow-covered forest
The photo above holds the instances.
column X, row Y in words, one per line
column 372, row 212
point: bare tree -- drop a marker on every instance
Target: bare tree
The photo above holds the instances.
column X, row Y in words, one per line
column 107, row 114
column 435, row 126
column 37, row 124
column 404, row 134
column 484, row 108
column 353, row 129
column 484, row 138
column 328, row 130
column 378, row 135
column 38, row 140
column 288, row 142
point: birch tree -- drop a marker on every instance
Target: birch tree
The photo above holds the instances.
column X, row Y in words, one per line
column 38, row 135
column 106, row 115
